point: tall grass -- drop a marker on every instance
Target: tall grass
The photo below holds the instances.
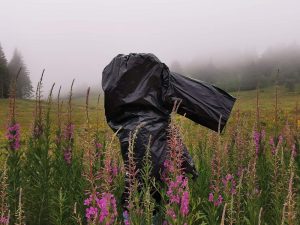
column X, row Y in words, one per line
column 69, row 173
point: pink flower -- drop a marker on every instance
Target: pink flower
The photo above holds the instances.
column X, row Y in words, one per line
column 69, row 132
column 126, row 217
column 170, row 212
column 4, row 220
column 88, row 201
column 211, row 197
column 184, row 208
column 13, row 136
column 98, row 145
column 115, row 171
column 91, row 212
column 68, row 155
column 105, row 208
column 219, row 201
column 178, row 195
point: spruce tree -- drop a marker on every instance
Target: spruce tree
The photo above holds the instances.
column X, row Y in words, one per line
column 4, row 79
column 24, row 87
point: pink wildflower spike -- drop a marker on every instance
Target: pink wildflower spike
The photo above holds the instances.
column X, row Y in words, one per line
column 219, row 201
column 224, row 181
column 69, row 132
column 87, row 202
column 13, row 136
column 91, row 212
column 105, row 208
column 229, row 177
column 170, row 212
column 98, row 145
column 233, row 191
column 210, row 197
column 184, row 208
column 4, row 220
column 126, row 217
column 68, row 156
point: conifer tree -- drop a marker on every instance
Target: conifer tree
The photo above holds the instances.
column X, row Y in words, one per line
column 4, row 79
column 24, row 87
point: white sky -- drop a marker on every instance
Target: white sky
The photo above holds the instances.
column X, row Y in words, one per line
column 77, row 38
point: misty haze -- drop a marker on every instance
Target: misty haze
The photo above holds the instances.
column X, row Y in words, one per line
column 77, row 39
column 152, row 112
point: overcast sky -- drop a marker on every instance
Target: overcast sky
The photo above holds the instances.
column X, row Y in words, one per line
column 77, row 38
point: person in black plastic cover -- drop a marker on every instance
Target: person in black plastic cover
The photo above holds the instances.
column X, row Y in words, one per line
column 140, row 89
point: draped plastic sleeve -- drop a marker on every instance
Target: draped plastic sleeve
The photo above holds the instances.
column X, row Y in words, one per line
column 201, row 102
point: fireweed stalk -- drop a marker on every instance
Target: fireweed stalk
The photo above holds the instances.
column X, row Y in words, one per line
column 14, row 152
column 58, row 133
column 258, row 139
column 38, row 127
column 13, row 136
column 13, row 128
column 37, row 164
column 140, row 186
column 65, row 178
column 68, row 133
column 101, row 206
column 177, row 207
column 289, row 211
column 133, row 212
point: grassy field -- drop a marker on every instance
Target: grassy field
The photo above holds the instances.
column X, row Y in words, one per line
column 248, row 175
column 246, row 102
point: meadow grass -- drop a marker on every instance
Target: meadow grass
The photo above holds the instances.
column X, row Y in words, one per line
column 249, row 174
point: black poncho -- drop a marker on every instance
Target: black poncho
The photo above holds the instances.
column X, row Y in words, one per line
column 138, row 88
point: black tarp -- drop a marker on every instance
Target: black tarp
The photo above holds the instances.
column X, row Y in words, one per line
column 140, row 89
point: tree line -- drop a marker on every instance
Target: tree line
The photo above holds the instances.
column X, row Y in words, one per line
column 279, row 65
column 8, row 73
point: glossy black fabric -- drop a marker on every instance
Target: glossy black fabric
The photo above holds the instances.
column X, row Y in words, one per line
column 139, row 89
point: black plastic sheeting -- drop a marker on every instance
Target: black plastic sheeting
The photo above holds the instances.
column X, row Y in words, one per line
column 140, row 89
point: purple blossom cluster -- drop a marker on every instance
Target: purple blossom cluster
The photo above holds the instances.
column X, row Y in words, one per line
column 69, row 132
column 229, row 188
column 169, row 168
column 110, row 170
column 69, row 139
column 4, row 220
column 68, row 155
column 98, row 145
column 218, row 201
column 13, row 136
column 258, row 136
column 178, row 195
column 229, row 184
column 102, row 210
column 126, row 217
